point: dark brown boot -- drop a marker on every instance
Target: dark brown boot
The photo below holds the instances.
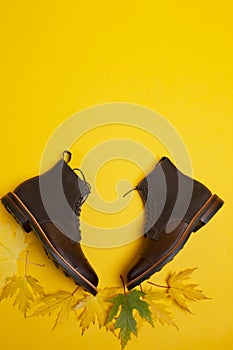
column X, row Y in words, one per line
column 175, row 206
column 50, row 205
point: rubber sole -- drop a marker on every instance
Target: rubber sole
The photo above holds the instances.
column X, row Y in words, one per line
column 203, row 216
column 28, row 222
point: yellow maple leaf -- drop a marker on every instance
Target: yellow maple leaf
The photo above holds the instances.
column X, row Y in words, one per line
column 11, row 246
column 61, row 303
column 159, row 310
column 96, row 308
column 151, row 295
column 180, row 292
column 24, row 288
column 160, row 313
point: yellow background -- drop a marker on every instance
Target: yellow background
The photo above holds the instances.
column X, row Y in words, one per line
column 175, row 57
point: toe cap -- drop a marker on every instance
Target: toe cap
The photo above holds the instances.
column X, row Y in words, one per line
column 138, row 272
column 86, row 270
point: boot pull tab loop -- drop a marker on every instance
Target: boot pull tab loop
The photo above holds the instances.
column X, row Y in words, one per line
column 66, row 156
column 132, row 189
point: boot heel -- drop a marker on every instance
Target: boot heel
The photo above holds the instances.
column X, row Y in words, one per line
column 16, row 210
column 212, row 208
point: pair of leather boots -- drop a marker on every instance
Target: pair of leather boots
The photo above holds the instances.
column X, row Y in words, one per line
column 50, row 205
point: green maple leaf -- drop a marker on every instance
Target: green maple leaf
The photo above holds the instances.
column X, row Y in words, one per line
column 122, row 309
column 24, row 289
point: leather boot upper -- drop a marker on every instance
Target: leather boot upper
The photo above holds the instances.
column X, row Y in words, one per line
column 170, row 197
column 54, row 199
column 171, row 201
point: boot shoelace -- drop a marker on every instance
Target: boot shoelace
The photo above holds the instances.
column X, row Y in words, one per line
column 67, row 157
column 81, row 198
column 83, row 194
column 143, row 191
